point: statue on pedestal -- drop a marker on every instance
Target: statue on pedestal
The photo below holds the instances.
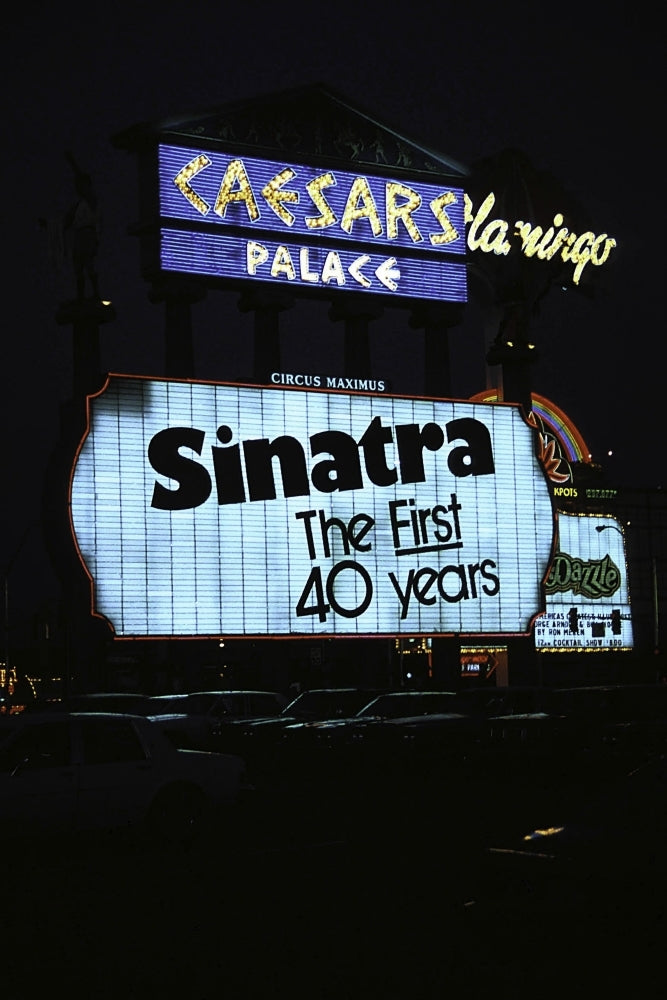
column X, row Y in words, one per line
column 82, row 225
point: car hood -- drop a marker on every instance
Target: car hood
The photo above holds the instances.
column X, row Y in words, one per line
column 169, row 716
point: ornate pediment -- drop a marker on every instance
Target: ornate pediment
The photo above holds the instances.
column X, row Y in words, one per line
column 309, row 123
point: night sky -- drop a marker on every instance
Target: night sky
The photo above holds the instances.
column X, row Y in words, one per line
column 579, row 93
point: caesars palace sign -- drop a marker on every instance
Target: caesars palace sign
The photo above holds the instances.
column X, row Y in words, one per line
column 240, row 218
column 208, row 509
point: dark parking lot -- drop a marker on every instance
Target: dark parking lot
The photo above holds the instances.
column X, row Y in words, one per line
column 311, row 894
column 372, row 861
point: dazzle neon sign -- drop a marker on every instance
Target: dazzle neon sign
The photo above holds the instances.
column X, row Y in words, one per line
column 587, row 596
column 242, row 218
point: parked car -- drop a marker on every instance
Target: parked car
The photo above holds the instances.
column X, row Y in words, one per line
column 618, row 721
column 516, row 721
column 312, row 705
column 69, row 772
column 579, row 733
column 384, row 736
column 193, row 719
column 99, row 701
column 256, row 740
column 329, row 703
column 503, row 700
column 562, row 731
column 343, row 727
column 599, row 854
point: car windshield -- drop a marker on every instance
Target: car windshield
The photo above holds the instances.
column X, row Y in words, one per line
column 403, row 704
column 182, row 704
column 327, row 704
column 501, row 701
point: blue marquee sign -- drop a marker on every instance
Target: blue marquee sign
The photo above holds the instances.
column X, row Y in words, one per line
column 243, row 218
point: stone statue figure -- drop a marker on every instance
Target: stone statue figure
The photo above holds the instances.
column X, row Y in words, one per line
column 81, row 225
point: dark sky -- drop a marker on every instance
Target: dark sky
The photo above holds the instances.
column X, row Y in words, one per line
column 579, row 92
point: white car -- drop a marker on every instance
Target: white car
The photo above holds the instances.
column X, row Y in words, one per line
column 72, row 772
column 193, row 719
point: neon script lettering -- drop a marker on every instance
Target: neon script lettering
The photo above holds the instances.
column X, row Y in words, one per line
column 594, row 578
column 492, row 237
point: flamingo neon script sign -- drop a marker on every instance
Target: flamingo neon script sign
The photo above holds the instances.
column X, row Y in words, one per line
column 491, row 237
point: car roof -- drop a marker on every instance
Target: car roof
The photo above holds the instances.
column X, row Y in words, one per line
column 62, row 715
column 332, row 690
column 221, row 692
column 97, row 701
column 413, row 692
column 105, row 696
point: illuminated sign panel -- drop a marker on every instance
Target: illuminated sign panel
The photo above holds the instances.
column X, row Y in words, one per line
column 498, row 235
column 213, row 509
column 588, row 604
column 234, row 256
column 309, row 227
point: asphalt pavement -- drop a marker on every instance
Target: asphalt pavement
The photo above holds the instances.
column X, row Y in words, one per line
column 304, row 895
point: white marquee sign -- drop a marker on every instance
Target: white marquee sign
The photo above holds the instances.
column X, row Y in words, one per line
column 587, row 596
column 205, row 509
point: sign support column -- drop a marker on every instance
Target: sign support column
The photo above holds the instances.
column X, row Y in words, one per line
column 85, row 640
column 266, row 304
column 85, row 317
column 356, row 314
column 178, row 295
column 436, row 320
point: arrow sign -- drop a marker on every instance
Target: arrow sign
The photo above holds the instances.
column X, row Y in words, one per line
column 238, row 259
column 387, row 272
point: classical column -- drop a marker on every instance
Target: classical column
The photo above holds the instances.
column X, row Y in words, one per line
column 86, row 637
column 85, row 316
column 437, row 319
column 266, row 304
column 515, row 353
column 179, row 295
column 356, row 312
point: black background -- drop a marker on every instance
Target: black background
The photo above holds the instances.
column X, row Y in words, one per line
column 577, row 88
